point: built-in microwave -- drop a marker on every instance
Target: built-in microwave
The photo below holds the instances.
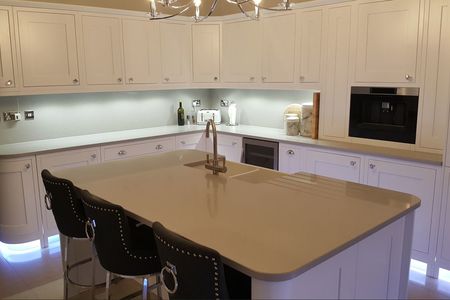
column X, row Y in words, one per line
column 388, row 114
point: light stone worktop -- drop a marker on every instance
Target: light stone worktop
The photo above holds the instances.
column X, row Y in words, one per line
column 40, row 146
column 266, row 224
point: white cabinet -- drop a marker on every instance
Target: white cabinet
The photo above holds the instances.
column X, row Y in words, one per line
column 135, row 149
column 55, row 162
column 436, row 94
column 278, row 48
column 19, row 214
column 333, row 164
column 387, row 41
column 334, row 104
column 241, row 64
column 47, row 48
column 289, row 158
column 443, row 251
column 205, row 52
column 175, row 52
column 309, row 48
column 195, row 141
column 227, row 145
column 7, row 77
column 419, row 181
column 102, row 49
column 141, row 45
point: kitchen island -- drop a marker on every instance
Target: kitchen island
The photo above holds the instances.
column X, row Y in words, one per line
column 296, row 236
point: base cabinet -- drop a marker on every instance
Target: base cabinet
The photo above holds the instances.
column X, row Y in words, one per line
column 443, row 251
column 289, row 160
column 227, row 145
column 195, row 141
column 20, row 220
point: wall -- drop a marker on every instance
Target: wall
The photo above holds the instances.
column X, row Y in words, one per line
column 78, row 114
column 259, row 107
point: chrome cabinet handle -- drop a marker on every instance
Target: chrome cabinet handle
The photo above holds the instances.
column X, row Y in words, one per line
column 28, row 166
column 119, row 79
column 167, row 79
column 252, row 78
column 131, row 79
column 216, row 78
column 353, row 163
column 372, row 166
column 159, row 147
column 263, row 78
column 290, row 152
column 122, row 152
column 76, row 81
column 94, row 156
column 302, row 78
column 9, row 83
column 408, row 77
column 183, row 142
column 233, row 143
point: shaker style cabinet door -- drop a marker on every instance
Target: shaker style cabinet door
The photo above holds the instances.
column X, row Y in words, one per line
column 239, row 63
column 309, row 50
column 19, row 212
column 387, row 41
column 102, row 50
column 289, row 159
column 436, row 94
column 7, row 79
column 278, row 48
column 141, row 51
column 48, row 48
column 206, row 52
column 174, row 52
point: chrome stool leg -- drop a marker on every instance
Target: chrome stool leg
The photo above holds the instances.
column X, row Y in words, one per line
column 158, row 287
column 108, row 284
column 93, row 271
column 144, row 288
column 66, row 267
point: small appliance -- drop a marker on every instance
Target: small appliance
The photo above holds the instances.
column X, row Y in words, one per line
column 204, row 115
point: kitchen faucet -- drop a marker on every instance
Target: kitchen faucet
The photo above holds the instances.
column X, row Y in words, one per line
column 214, row 164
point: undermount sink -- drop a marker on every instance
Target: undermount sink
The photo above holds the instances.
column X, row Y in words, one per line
column 233, row 169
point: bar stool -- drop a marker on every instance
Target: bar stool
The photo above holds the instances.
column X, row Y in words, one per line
column 190, row 270
column 123, row 249
column 63, row 199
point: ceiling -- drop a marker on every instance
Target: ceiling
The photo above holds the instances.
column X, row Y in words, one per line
column 223, row 8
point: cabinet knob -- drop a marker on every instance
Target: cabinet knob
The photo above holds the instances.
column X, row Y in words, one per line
column 290, row 152
column 233, row 143
column 28, row 166
column 252, row 78
column 167, row 79
column 131, row 79
column 353, row 163
column 216, row 78
column 76, row 81
column 9, row 83
column 119, row 79
column 183, row 142
column 263, row 78
column 122, row 152
column 408, row 77
column 302, row 78
column 94, row 156
column 159, row 147
column 372, row 166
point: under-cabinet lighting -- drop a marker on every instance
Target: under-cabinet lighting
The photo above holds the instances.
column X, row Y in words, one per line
column 28, row 251
column 444, row 275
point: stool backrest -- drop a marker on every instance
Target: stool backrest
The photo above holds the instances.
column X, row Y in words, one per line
column 190, row 270
column 64, row 199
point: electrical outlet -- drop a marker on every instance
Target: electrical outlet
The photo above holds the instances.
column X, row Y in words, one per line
column 196, row 103
column 29, row 115
column 12, row 116
column 224, row 103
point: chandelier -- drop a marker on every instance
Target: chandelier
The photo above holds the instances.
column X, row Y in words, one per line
column 180, row 8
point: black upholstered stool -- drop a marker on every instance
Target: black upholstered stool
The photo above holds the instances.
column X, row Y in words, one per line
column 63, row 199
column 123, row 249
column 190, row 271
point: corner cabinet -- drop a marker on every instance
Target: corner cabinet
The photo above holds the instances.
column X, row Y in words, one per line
column 241, row 64
column 141, row 51
column 278, row 49
column 175, row 52
column 102, row 50
column 387, row 41
column 229, row 146
column 205, row 53
column 195, row 141
column 47, row 48
column 20, row 220
column 7, row 78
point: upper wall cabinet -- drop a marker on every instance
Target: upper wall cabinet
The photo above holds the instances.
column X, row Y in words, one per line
column 102, row 50
column 387, row 41
column 141, row 51
column 206, row 53
column 241, row 64
column 175, row 52
column 6, row 58
column 436, row 94
column 278, row 48
column 47, row 48
column 309, row 49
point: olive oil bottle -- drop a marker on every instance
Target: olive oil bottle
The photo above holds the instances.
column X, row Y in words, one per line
column 180, row 114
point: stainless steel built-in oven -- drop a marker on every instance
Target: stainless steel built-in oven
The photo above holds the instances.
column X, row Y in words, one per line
column 388, row 114
column 260, row 153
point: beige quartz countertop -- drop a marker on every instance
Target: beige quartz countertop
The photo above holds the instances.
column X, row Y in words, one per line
column 41, row 146
column 267, row 224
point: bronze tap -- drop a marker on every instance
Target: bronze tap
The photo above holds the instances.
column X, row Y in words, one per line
column 214, row 164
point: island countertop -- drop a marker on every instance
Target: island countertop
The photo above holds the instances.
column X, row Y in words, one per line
column 266, row 224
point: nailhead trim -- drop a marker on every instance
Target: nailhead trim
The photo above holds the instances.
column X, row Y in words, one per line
column 72, row 203
column 121, row 231
column 216, row 269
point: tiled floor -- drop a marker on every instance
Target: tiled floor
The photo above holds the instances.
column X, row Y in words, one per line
column 38, row 275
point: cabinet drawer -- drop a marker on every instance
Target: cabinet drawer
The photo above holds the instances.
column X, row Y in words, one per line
column 128, row 150
column 227, row 145
column 191, row 141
